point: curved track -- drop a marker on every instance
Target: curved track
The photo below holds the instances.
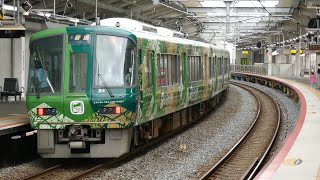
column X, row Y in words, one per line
column 60, row 171
column 243, row 160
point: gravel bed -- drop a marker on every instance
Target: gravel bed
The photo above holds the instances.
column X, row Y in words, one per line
column 181, row 156
column 22, row 170
column 289, row 113
column 74, row 166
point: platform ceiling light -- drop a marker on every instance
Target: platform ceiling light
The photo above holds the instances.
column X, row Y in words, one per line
column 26, row 6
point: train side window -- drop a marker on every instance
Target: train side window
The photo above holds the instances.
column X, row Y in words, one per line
column 219, row 67
column 190, row 69
column 195, row 68
column 159, row 70
column 210, row 68
column 222, row 66
column 78, row 72
column 170, row 63
column 200, row 68
column 225, row 65
column 178, row 70
column 163, row 70
column 168, row 69
column 183, row 62
column 213, row 65
column 173, row 69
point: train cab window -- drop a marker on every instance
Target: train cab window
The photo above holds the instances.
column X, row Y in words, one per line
column 114, row 61
column 45, row 67
column 78, row 72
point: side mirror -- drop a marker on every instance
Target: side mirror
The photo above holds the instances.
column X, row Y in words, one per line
column 128, row 79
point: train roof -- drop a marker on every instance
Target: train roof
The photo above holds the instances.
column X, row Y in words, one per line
column 143, row 30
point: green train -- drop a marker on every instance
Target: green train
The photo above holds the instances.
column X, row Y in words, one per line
column 98, row 91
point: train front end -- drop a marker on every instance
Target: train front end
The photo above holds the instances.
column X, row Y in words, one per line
column 81, row 93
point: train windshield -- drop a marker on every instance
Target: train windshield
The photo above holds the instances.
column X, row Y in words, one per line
column 45, row 67
column 114, row 64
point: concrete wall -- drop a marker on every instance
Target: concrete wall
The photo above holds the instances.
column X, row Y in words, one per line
column 253, row 56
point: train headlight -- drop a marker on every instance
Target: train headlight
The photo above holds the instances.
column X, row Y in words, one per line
column 46, row 111
column 110, row 110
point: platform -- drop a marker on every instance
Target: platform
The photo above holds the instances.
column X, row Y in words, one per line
column 299, row 158
column 13, row 117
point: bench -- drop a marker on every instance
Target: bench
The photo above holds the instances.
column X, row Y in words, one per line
column 10, row 88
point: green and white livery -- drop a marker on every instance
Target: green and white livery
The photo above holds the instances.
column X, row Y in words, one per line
column 96, row 91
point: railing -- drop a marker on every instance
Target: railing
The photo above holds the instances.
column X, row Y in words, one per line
column 254, row 69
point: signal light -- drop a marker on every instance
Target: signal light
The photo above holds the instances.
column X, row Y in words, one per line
column 118, row 110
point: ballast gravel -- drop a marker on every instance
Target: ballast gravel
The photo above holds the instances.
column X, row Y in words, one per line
column 181, row 156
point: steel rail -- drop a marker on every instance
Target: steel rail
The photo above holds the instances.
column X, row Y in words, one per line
column 133, row 152
column 252, row 170
column 42, row 173
column 235, row 147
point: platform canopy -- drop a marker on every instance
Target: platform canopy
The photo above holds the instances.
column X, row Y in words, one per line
column 242, row 22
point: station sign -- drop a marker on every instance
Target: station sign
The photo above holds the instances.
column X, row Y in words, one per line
column 293, row 51
column 245, row 52
column 314, row 47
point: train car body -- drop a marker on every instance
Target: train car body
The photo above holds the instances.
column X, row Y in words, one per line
column 96, row 91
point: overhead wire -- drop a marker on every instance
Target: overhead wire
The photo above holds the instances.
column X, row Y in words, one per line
column 264, row 7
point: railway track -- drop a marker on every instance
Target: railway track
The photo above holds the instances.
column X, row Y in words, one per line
column 244, row 159
column 57, row 171
column 64, row 170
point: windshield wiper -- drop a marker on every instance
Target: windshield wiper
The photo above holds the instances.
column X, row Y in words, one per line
column 105, row 85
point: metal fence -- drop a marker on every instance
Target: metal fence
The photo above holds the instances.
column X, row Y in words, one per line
column 254, row 69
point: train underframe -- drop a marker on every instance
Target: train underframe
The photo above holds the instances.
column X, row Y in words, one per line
column 79, row 141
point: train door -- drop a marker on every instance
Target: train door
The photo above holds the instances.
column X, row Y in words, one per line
column 77, row 87
column 147, row 92
column 184, row 77
column 211, row 74
column 54, row 70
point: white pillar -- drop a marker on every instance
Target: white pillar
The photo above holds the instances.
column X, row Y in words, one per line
column 23, row 64
column 268, row 60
